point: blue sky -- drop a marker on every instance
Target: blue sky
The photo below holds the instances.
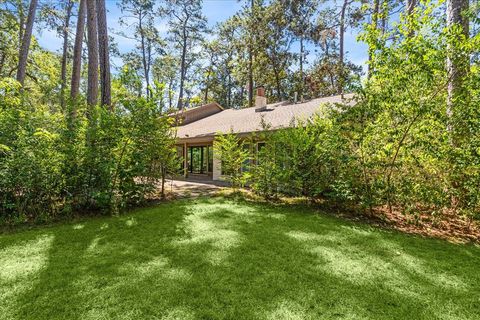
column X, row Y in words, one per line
column 215, row 11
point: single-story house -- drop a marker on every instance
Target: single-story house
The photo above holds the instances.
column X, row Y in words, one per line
column 199, row 126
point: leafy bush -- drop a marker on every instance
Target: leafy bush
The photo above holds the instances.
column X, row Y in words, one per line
column 398, row 146
column 53, row 163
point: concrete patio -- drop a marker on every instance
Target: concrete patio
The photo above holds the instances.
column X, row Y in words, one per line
column 193, row 188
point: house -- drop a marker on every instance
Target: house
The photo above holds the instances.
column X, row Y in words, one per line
column 199, row 126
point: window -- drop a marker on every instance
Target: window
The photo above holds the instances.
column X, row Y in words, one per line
column 200, row 159
column 246, row 163
column 260, row 147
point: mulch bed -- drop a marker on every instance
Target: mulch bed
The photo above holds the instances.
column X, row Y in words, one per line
column 449, row 226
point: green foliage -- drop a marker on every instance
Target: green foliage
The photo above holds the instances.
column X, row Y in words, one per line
column 53, row 163
column 307, row 159
column 232, row 153
column 397, row 146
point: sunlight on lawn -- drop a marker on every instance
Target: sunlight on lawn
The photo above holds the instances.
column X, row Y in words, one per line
column 159, row 266
column 287, row 311
column 19, row 268
column 224, row 259
column 203, row 229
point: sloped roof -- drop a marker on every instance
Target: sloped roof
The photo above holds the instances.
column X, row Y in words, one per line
column 187, row 116
column 277, row 116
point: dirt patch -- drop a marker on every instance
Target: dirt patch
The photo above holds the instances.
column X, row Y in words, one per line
column 450, row 226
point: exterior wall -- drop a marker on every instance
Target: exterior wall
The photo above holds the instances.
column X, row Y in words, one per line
column 217, row 168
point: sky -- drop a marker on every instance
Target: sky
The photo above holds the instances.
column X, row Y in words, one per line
column 216, row 11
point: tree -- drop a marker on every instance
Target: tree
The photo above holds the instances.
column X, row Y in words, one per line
column 9, row 41
column 77, row 50
column 165, row 72
column 457, row 61
column 350, row 16
column 341, row 58
column 26, row 38
column 186, row 28
column 92, row 43
column 301, row 13
column 66, row 26
column 104, row 57
column 232, row 153
column 140, row 15
column 57, row 17
column 275, row 40
column 251, row 26
column 212, row 53
column 374, row 26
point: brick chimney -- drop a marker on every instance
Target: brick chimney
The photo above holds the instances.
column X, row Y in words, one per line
column 260, row 99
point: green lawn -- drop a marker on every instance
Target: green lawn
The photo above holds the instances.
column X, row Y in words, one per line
column 221, row 259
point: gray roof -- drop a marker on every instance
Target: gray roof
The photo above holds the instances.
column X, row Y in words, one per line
column 277, row 116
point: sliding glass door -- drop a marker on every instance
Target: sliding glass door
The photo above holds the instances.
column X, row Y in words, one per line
column 200, row 159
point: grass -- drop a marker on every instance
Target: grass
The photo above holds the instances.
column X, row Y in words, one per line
column 225, row 259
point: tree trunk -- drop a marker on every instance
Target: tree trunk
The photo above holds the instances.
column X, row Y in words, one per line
column 302, row 82
column 376, row 5
column 21, row 22
column 205, row 99
column 2, row 63
column 182, row 70
column 457, row 64
column 146, row 70
column 170, row 94
column 92, row 44
column 384, row 16
column 341, row 64
column 27, row 37
column 250, row 59
column 77, row 50
column 63, row 75
column 104, row 57
column 277, row 80
column 229, row 92
column 410, row 7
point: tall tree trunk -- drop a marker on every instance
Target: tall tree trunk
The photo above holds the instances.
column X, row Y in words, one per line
column 27, row 37
column 63, row 76
column 104, row 57
column 457, row 63
column 21, row 22
column 182, row 70
column 92, row 44
column 384, row 16
column 302, row 81
column 250, row 57
column 410, row 8
column 277, row 80
column 207, row 87
column 77, row 50
column 341, row 62
column 229, row 92
column 2, row 63
column 376, row 5
column 170, row 94
column 146, row 69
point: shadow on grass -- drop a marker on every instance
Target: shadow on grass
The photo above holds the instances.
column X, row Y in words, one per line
column 225, row 259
